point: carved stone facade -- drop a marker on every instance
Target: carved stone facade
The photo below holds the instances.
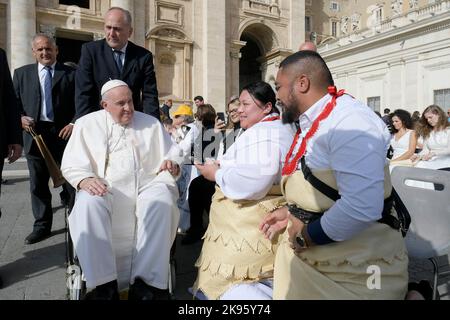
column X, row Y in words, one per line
column 389, row 54
column 201, row 47
column 399, row 61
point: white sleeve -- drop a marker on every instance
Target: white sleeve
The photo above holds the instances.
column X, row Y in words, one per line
column 253, row 170
column 76, row 164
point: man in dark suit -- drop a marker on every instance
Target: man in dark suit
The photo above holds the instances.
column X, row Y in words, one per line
column 45, row 94
column 10, row 132
column 116, row 58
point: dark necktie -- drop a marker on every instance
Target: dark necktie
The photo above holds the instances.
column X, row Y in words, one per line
column 48, row 93
column 118, row 57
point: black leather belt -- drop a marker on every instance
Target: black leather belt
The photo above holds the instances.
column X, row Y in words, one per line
column 304, row 215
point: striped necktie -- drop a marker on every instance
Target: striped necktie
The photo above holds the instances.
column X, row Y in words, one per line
column 118, row 57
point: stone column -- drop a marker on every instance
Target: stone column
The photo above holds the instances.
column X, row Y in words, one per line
column 297, row 24
column 127, row 5
column 395, row 80
column 214, row 52
column 235, row 55
column 22, row 22
column 140, row 11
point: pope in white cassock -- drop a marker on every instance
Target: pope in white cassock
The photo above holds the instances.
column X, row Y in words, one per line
column 125, row 217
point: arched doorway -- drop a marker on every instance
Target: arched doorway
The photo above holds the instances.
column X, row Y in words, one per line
column 249, row 65
column 259, row 40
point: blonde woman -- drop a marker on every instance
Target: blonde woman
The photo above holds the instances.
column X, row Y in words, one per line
column 434, row 128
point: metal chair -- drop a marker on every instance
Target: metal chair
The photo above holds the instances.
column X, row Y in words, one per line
column 429, row 233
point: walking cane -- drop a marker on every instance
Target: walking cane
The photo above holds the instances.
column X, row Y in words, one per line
column 55, row 173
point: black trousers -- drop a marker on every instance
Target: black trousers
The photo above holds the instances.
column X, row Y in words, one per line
column 200, row 195
column 41, row 197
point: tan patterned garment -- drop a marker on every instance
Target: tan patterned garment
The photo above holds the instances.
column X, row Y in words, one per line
column 340, row 270
column 230, row 256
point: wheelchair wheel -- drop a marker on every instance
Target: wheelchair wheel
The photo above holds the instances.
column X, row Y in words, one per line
column 172, row 277
column 76, row 286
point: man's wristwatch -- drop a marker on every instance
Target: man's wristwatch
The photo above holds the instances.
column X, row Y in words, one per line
column 301, row 240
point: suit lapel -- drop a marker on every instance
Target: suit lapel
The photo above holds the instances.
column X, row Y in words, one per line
column 58, row 75
column 130, row 60
column 110, row 62
column 36, row 89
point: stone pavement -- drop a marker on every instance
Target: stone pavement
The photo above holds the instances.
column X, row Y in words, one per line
column 37, row 272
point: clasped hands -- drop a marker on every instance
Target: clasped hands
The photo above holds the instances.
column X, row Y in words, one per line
column 276, row 222
column 98, row 187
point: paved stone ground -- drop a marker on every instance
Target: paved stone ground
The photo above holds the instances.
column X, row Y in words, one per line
column 37, row 272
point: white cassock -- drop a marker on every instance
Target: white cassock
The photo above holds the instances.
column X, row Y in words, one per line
column 129, row 232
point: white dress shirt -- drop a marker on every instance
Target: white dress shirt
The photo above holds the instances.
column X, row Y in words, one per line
column 124, row 50
column 252, row 165
column 352, row 142
column 42, row 75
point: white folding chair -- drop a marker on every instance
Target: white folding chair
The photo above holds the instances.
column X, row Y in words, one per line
column 429, row 233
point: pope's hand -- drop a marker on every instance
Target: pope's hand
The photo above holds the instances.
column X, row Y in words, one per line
column 94, row 186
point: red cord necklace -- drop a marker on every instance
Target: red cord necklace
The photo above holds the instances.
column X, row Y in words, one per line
column 290, row 166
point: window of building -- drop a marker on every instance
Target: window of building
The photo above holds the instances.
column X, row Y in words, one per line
column 334, row 28
column 379, row 15
column 308, row 26
column 374, row 103
column 79, row 3
column 442, row 98
column 334, row 6
column 308, row 2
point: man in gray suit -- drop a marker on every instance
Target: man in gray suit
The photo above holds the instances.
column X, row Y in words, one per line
column 45, row 95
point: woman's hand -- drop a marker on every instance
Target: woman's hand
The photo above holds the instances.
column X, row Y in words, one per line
column 219, row 125
column 428, row 156
column 415, row 157
column 274, row 223
column 208, row 170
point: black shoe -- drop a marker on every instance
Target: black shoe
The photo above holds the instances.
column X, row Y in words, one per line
column 191, row 238
column 423, row 287
column 426, row 290
column 37, row 236
column 107, row 291
column 139, row 290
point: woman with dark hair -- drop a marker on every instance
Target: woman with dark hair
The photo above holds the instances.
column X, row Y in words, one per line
column 236, row 261
column 202, row 190
column 434, row 129
column 404, row 139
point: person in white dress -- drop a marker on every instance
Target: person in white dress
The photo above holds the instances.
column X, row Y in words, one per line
column 435, row 131
column 236, row 261
column 404, row 139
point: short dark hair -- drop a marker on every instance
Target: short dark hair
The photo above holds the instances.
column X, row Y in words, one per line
column 312, row 64
column 387, row 111
column 199, row 98
column 206, row 114
column 405, row 118
column 263, row 92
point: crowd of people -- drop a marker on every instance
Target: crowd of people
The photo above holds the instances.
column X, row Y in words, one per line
column 294, row 181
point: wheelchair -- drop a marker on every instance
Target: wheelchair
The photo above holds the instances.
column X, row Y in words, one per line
column 75, row 280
